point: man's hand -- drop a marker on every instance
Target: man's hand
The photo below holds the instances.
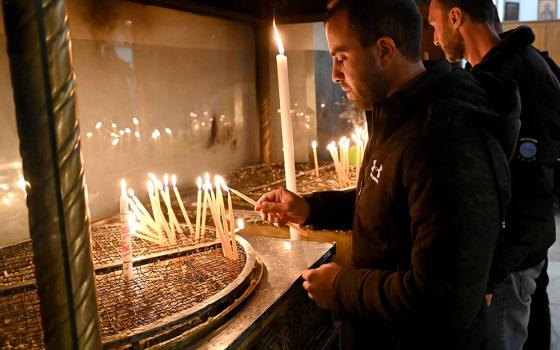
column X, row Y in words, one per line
column 319, row 284
column 282, row 206
column 488, row 298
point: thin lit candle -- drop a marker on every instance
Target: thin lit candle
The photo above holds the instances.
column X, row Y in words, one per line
column 314, row 147
column 198, row 203
column 181, row 205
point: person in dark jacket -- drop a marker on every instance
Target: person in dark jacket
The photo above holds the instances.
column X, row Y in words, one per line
column 435, row 178
column 464, row 29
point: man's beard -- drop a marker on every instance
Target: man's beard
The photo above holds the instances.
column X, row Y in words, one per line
column 454, row 48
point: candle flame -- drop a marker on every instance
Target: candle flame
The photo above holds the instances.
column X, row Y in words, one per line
column 206, row 177
column 114, row 125
column 89, row 134
column 98, row 125
column 168, row 131
column 127, row 130
column 131, row 192
column 137, row 134
column 153, row 177
column 166, row 179
column 199, row 183
column 174, row 180
column 223, row 184
column 115, row 142
column 150, row 187
column 314, row 144
column 123, row 187
column 277, row 38
column 135, row 121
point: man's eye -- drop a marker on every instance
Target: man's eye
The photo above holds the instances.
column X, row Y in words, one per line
column 340, row 59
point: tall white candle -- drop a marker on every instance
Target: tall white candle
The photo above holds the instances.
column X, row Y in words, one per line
column 126, row 246
column 123, row 204
column 286, row 121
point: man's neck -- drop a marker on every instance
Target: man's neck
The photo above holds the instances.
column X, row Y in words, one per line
column 405, row 76
column 479, row 38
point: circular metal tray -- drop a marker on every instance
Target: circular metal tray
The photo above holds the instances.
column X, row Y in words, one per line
column 178, row 293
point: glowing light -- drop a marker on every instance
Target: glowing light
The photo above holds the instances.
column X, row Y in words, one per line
column 137, row 134
column 115, row 142
column 278, row 38
column 168, row 131
column 23, row 185
column 127, row 130
column 98, row 125
column 314, row 144
column 240, row 224
column 123, row 187
column 4, row 187
column 173, row 180
column 89, row 134
column 166, row 179
column 135, row 121
column 121, row 132
column 114, row 125
column 199, row 182
column 323, row 105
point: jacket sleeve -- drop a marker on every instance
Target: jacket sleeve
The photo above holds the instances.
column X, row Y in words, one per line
column 455, row 220
column 331, row 209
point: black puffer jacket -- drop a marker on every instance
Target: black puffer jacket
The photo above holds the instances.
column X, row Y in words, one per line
column 427, row 213
column 530, row 228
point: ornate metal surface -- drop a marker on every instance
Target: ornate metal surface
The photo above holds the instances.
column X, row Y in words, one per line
column 179, row 292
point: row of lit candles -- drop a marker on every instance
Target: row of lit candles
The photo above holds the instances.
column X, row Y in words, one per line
column 341, row 158
column 156, row 228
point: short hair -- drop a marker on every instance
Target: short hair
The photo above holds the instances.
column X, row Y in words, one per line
column 398, row 19
column 480, row 11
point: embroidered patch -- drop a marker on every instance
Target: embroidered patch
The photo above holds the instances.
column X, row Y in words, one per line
column 375, row 172
column 527, row 149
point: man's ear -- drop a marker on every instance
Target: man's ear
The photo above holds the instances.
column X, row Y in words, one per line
column 456, row 17
column 385, row 48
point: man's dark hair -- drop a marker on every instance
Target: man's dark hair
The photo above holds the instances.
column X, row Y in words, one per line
column 480, row 11
column 398, row 19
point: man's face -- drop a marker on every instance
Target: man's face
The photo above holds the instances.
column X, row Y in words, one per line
column 445, row 35
column 354, row 66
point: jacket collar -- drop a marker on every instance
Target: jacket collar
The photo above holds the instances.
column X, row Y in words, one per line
column 510, row 42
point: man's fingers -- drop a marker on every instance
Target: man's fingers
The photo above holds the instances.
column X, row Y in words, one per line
column 310, row 296
column 267, row 197
column 307, row 274
column 273, row 207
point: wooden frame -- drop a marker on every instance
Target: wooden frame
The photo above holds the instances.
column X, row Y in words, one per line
column 511, row 11
column 547, row 10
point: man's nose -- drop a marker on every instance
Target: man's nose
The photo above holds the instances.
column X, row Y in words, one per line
column 337, row 75
column 436, row 38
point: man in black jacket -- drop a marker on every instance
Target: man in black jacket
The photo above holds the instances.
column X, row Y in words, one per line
column 464, row 29
column 434, row 180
